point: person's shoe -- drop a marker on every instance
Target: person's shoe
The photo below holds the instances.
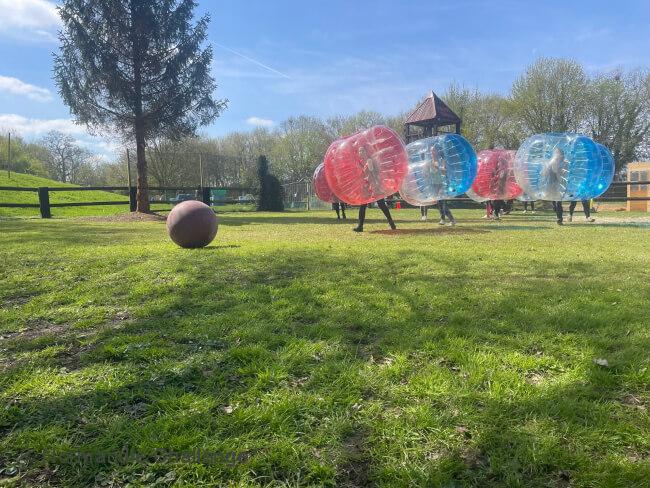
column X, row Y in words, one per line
column 532, row 211
column 423, row 218
column 525, row 211
column 442, row 222
column 486, row 216
column 357, row 229
column 590, row 219
column 452, row 223
column 570, row 219
column 559, row 222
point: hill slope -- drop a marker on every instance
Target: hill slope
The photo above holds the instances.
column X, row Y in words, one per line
column 31, row 181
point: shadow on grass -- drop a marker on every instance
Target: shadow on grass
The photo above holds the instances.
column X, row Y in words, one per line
column 269, row 337
column 431, row 231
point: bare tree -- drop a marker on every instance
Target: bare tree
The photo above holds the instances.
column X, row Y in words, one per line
column 64, row 156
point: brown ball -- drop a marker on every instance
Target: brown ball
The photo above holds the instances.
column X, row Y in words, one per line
column 192, row 224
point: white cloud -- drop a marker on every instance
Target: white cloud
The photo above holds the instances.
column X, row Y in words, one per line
column 37, row 127
column 259, row 122
column 15, row 86
column 27, row 18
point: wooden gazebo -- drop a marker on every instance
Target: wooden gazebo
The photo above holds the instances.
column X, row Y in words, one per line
column 430, row 116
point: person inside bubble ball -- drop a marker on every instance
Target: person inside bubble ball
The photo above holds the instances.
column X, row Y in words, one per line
column 371, row 171
column 499, row 179
column 439, row 182
column 553, row 174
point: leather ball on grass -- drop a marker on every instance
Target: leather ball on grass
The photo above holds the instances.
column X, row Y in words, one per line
column 192, row 224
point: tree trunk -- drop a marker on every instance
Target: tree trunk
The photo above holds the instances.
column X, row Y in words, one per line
column 137, row 31
column 142, row 196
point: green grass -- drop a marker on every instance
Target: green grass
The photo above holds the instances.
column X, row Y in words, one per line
column 30, row 181
column 321, row 357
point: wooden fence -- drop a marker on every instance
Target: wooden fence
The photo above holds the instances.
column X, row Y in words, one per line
column 617, row 192
column 204, row 194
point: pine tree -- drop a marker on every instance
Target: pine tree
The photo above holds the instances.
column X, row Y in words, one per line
column 138, row 68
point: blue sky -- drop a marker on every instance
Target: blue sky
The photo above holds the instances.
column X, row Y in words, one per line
column 274, row 59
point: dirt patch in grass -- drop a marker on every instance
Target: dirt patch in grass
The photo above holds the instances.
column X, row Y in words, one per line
column 16, row 300
column 355, row 470
column 127, row 217
column 35, row 330
column 622, row 220
column 633, row 401
column 431, row 231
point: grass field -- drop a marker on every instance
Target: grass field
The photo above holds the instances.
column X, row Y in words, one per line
column 30, row 181
column 293, row 352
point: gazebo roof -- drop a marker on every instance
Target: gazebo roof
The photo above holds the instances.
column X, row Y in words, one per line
column 432, row 112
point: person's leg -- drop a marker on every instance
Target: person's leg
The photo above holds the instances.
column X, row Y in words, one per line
column 441, row 210
column 423, row 212
column 572, row 207
column 532, row 207
column 342, row 206
column 559, row 212
column 499, row 208
column 525, row 207
column 448, row 214
column 489, row 209
column 586, row 208
column 362, row 218
column 336, row 207
column 384, row 208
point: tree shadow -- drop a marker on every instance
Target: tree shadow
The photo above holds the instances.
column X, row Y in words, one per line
column 244, row 333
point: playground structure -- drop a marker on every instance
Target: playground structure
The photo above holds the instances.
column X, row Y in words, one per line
column 638, row 189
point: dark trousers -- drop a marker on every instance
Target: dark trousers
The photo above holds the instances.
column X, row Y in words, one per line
column 559, row 211
column 423, row 210
column 498, row 207
column 384, row 208
column 532, row 206
column 445, row 213
column 339, row 208
column 585, row 207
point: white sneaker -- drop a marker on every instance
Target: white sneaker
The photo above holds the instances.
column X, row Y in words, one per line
column 442, row 222
column 423, row 218
column 452, row 223
column 525, row 211
column 590, row 219
column 532, row 211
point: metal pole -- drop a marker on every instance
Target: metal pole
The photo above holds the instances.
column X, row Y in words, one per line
column 201, row 169
column 9, row 155
column 128, row 167
column 308, row 196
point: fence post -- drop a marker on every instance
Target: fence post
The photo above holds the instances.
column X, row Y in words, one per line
column 308, row 196
column 44, row 202
column 205, row 195
column 133, row 202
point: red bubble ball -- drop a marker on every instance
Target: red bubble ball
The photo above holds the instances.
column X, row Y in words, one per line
column 321, row 187
column 366, row 166
column 495, row 178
